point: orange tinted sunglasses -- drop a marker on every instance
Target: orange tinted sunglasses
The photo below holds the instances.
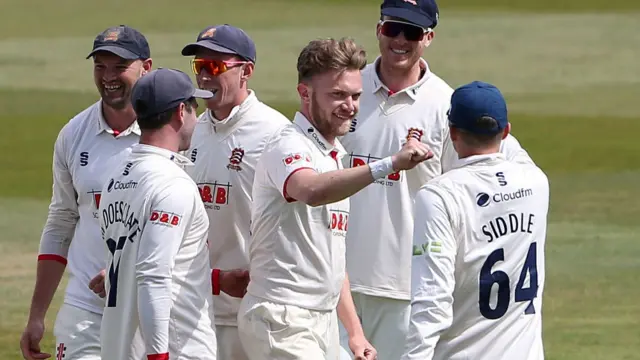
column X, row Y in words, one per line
column 213, row 67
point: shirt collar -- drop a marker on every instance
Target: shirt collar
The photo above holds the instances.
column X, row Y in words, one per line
column 235, row 115
column 312, row 133
column 411, row 91
column 145, row 149
column 103, row 126
column 478, row 159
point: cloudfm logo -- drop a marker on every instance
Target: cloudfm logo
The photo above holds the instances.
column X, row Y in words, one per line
column 484, row 199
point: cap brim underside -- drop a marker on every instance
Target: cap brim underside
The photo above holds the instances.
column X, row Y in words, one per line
column 202, row 94
column 116, row 50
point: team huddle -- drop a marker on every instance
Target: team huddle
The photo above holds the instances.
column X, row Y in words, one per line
column 392, row 218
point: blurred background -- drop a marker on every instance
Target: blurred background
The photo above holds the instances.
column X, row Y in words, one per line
column 569, row 70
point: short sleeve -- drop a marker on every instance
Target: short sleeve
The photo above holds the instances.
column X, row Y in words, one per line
column 289, row 155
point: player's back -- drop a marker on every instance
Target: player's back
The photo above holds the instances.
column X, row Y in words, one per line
column 134, row 201
column 501, row 220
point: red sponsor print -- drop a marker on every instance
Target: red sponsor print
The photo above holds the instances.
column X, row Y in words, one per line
column 294, row 158
column 164, row 218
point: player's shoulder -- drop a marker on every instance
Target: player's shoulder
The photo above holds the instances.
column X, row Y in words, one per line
column 436, row 89
column 514, row 152
column 271, row 116
column 83, row 121
column 528, row 171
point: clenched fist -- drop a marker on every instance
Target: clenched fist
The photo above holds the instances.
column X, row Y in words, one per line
column 412, row 153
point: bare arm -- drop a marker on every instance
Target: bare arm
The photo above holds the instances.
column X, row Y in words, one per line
column 316, row 189
column 49, row 274
column 347, row 311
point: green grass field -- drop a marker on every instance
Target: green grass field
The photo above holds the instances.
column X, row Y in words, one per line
column 568, row 68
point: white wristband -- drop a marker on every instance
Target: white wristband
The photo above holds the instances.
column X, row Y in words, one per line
column 381, row 168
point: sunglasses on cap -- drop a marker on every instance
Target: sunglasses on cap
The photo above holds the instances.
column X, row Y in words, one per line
column 213, row 67
column 393, row 28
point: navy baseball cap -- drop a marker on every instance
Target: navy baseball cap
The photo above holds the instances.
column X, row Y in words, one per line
column 124, row 41
column 475, row 100
column 161, row 90
column 423, row 13
column 225, row 39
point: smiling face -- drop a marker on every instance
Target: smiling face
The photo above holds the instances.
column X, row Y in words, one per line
column 114, row 77
column 333, row 100
column 398, row 52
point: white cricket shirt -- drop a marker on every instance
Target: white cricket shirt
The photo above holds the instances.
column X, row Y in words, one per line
column 85, row 150
column 158, row 274
column 478, row 269
column 225, row 154
column 297, row 253
column 381, row 224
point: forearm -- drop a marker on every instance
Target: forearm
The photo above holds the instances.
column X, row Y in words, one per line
column 347, row 311
column 154, row 307
column 48, row 276
column 337, row 185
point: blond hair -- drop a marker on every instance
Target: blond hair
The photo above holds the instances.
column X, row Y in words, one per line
column 323, row 55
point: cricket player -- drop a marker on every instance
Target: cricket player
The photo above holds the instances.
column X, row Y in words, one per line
column 86, row 147
column 155, row 227
column 227, row 143
column 480, row 230
column 402, row 99
column 300, row 216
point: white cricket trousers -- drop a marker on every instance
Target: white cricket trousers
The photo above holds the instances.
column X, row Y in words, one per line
column 385, row 323
column 77, row 333
column 229, row 345
column 270, row 331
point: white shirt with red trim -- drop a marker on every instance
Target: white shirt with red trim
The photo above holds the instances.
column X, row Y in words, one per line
column 381, row 223
column 85, row 150
column 297, row 255
column 225, row 154
column 478, row 270
column 158, row 274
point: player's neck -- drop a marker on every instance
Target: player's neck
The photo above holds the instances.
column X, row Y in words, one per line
column 223, row 112
column 161, row 138
column 331, row 139
column 396, row 79
column 118, row 119
column 465, row 153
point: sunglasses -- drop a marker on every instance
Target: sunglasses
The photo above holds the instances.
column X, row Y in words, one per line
column 213, row 67
column 393, row 28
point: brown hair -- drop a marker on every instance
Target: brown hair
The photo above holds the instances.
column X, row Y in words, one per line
column 323, row 55
column 482, row 140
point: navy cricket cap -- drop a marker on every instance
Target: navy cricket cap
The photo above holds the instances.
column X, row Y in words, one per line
column 423, row 13
column 161, row 90
column 225, row 39
column 124, row 41
column 475, row 100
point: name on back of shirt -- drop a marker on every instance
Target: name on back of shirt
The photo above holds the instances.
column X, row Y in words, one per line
column 508, row 224
column 119, row 212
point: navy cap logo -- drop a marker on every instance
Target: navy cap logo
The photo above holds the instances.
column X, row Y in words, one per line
column 412, row 2
column 112, row 35
column 208, row 34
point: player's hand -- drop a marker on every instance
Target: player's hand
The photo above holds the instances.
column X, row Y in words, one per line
column 234, row 282
column 412, row 153
column 30, row 341
column 97, row 284
column 362, row 349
